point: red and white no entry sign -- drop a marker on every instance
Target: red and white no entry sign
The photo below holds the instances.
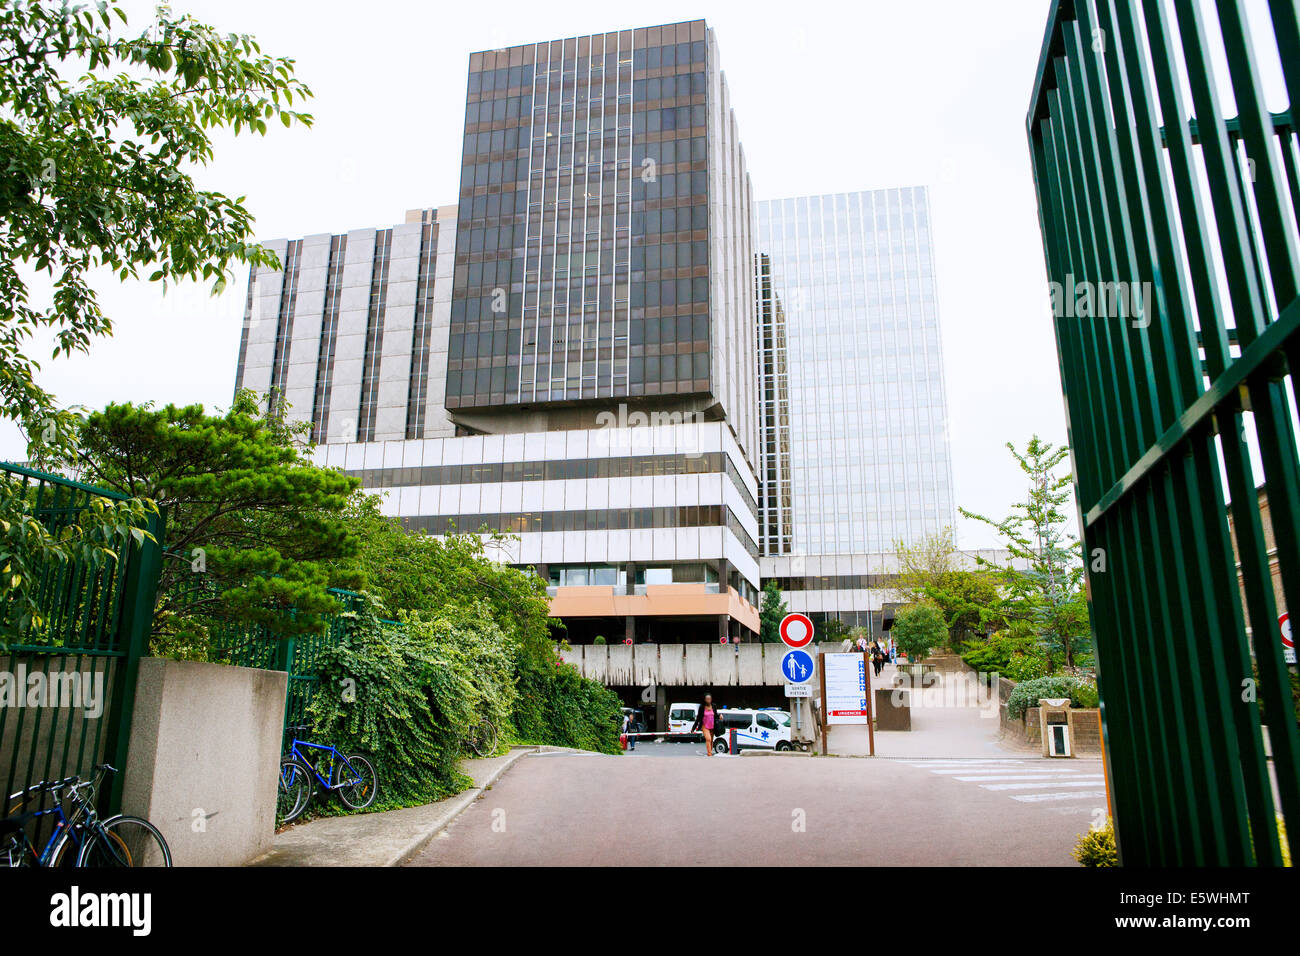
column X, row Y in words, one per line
column 1284, row 622
column 796, row 630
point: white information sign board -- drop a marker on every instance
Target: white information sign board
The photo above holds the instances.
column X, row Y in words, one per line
column 846, row 688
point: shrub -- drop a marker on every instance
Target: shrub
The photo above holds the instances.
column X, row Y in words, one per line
column 1027, row 667
column 1097, row 846
column 565, row 709
column 918, row 629
column 418, row 689
column 1027, row 694
column 599, row 639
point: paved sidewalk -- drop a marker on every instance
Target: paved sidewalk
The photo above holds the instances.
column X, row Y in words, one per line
column 391, row 837
column 946, row 722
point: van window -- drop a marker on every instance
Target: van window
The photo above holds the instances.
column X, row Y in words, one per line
column 765, row 720
column 682, row 714
column 735, row 720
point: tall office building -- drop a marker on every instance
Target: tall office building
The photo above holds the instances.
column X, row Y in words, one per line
column 855, row 447
column 568, row 353
column 600, row 349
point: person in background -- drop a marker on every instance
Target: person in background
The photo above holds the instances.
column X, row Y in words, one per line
column 707, row 721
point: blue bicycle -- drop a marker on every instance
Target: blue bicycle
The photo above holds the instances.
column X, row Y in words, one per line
column 78, row 837
column 308, row 765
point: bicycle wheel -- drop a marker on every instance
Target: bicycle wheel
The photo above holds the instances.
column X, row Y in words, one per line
column 293, row 791
column 356, row 787
column 124, row 841
column 482, row 738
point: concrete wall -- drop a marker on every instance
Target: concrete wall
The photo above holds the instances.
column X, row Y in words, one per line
column 205, row 748
column 1085, row 728
column 716, row 665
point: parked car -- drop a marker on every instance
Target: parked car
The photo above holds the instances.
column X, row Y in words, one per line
column 755, row 730
column 681, row 717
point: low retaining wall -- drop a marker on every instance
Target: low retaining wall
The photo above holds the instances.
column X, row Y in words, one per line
column 1085, row 728
column 205, row 750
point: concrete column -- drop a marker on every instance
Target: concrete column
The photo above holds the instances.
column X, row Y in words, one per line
column 629, row 628
column 631, row 579
column 661, row 708
column 724, row 626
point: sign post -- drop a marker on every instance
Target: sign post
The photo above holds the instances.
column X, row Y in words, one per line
column 846, row 698
column 821, row 675
column 797, row 633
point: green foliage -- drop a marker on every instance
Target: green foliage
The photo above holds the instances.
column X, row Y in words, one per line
column 968, row 600
column 29, row 547
column 1047, row 590
column 599, row 640
column 1097, row 846
column 99, row 127
column 831, row 629
column 1015, row 653
column 254, row 529
column 919, row 628
column 560, row 707
column 1082, row 693
column 421, row 574
column 770, row 612
column 418, row 689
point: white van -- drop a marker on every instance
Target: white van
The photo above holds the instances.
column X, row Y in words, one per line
column 755, row 730
column 681, row 717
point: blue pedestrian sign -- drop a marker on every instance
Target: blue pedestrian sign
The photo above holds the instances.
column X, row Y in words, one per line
column 797, row 666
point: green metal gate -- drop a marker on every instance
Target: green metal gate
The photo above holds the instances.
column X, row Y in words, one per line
column 96, row 626
column 259, row 646
column 1143, row 178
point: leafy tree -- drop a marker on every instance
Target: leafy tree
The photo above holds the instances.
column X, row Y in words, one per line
column 95, row 168
column 99, row 126
column 253, row 527
column 424, row 574
column 923, row 564
column 770, row 613
column 918, row 629
column 968, row 600
column 1046, row 590
column 832, row 630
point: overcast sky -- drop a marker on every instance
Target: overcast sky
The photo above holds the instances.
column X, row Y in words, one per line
column 830, row 97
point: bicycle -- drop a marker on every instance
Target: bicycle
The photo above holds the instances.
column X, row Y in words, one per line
column 352, row 776
column 118, row 841
column 482, row 738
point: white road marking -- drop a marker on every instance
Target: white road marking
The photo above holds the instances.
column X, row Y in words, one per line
column 1073, row 795
column 1025, row 776
column 1040, row 786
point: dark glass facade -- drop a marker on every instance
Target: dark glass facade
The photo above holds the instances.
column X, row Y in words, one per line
column 582, row 264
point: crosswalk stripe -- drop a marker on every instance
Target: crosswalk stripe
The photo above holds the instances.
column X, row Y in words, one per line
column 1023, row 776
column 1073, row 795
column 1040, row 786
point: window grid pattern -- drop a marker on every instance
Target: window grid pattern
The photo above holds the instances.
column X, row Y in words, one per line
column 248, row 327
column 374, row 337
column 328, row 339
column 775, row 497
column 284, row 321
column 582, row 255
column 853, row 276
column 422, row 333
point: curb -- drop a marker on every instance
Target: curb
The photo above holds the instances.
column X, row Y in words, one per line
column 459, row 804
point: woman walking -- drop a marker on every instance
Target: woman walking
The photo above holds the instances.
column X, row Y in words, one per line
column 707, row 720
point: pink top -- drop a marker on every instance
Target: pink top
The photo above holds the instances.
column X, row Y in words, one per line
column 708, row 719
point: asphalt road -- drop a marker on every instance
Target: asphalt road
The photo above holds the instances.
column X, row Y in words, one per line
column 567, row 809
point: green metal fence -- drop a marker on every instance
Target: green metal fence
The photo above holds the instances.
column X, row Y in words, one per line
column 299, row 656
column 74, row 674
column 1148, row 180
